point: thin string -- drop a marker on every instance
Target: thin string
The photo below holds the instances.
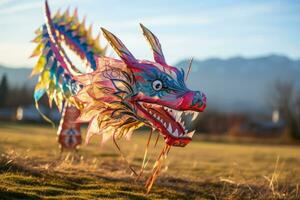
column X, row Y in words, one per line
column 145, row 156
column 157, row 166
column 43, row 115
column 156, row 140
column 122, row 155
column 189, row 69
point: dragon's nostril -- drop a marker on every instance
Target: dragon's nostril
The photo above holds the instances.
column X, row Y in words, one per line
column 199, row 98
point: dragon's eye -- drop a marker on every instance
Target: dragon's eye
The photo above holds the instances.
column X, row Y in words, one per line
column 157, row 85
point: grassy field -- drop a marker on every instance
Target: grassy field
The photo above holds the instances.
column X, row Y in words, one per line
column 30, row 168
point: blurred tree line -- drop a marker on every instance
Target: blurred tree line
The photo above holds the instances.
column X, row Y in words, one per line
column 14, row 96
column 3, row 91
column 286, row 99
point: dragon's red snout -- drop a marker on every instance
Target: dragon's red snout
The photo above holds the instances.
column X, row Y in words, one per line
column 193, row 100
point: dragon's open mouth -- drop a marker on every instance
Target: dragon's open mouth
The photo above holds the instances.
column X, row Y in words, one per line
column 169, row 122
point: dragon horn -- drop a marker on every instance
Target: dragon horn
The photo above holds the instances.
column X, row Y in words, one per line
column 119, row 47
column 155, row 45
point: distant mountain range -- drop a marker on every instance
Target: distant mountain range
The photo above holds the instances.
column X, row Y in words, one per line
column 234, row 84
column 242, row 84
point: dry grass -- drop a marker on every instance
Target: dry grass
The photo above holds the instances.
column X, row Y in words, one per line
column 30, row 168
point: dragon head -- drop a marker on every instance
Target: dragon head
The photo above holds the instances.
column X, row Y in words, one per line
column 122, row 95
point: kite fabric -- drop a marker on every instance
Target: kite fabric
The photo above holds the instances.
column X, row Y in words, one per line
column 69, row 134
column 115, row 97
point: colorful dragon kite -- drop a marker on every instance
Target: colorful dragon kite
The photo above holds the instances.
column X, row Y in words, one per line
column 114, row 96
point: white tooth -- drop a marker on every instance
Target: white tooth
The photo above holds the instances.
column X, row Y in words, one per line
column 165, row 124
column 154, row 115
column 175, row 133
column 183, row 126
column 173, row 115
column 158, row 118
column 190, row 134
column 170, row 128
column 195, row 115
column 182, row 122
column 177, row 116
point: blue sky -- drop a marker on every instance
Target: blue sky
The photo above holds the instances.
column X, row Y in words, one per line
column 187, row 28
